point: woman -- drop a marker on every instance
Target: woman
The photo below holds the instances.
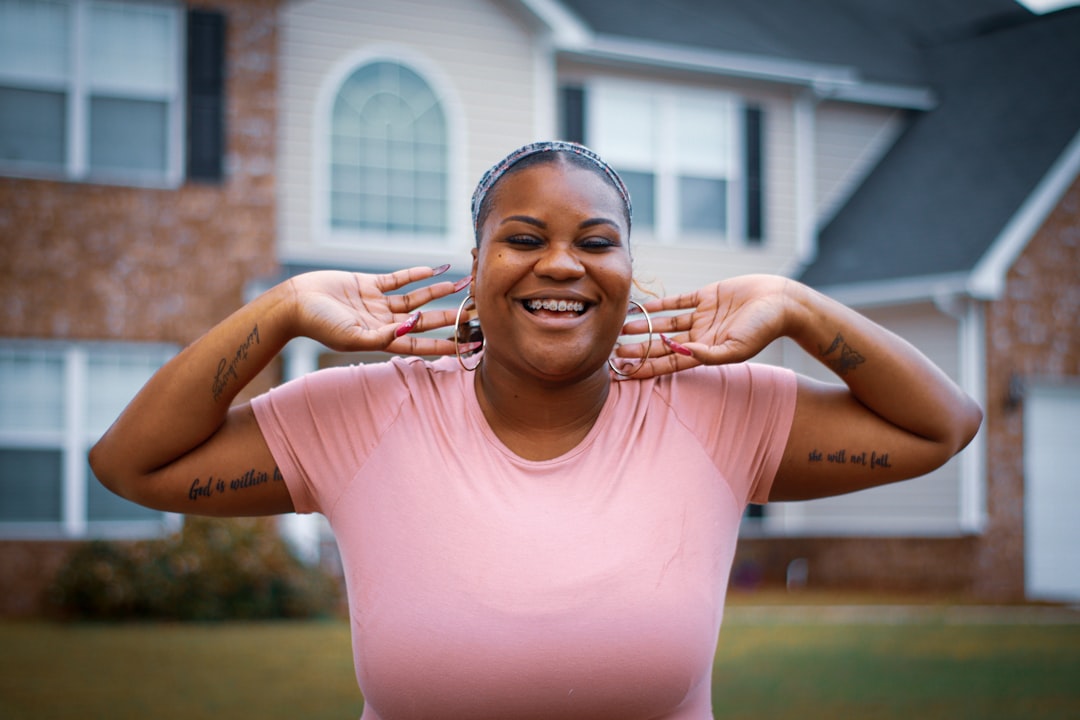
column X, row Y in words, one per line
column 544, row 528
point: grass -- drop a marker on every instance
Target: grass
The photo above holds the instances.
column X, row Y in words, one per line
column 765, row 669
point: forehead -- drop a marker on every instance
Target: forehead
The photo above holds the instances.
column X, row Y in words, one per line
column 557, row 186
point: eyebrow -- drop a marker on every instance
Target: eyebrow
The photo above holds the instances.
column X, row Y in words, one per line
column 536, row 222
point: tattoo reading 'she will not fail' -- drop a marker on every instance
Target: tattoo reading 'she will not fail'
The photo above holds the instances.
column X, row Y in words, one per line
column 226, row 369
column 871, row 460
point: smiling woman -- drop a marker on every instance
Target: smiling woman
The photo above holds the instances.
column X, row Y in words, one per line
column 537, row 533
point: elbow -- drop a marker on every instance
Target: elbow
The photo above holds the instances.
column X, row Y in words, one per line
column 969, row 420
column 105, row 470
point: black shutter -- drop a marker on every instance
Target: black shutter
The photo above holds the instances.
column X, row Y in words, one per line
column 572, row 114
column 755, row 184
column 205, row 95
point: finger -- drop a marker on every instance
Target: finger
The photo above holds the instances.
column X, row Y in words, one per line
column 407, row 302
column 658, row 324
column 388, row 282
column 686, row 301
column 664, row 365
column 419, row 345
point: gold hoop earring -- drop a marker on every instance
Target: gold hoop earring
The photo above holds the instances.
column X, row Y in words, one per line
column 457, row 343
column 648, row 346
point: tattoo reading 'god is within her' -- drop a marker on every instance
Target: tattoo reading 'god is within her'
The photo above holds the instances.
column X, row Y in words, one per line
column 840, row 356
column 226, row 369
column 219, row 486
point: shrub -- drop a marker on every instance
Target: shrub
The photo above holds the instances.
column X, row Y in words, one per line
column 237, row 569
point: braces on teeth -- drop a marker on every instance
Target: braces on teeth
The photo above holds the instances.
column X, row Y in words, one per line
column 556, row 305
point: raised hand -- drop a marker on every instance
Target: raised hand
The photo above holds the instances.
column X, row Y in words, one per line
column 363, row 312
column 726, row 322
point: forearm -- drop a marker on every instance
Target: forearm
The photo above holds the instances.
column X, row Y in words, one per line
column 187, row 400
column 883, row 371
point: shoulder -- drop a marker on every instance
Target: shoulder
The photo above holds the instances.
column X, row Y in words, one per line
column 708, row 382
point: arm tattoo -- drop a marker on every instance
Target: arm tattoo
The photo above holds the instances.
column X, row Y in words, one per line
column 847, row 360
column 226, row 369
column 872, row 460
column 219, row 486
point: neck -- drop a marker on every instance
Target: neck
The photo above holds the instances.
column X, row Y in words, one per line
column 540, row 420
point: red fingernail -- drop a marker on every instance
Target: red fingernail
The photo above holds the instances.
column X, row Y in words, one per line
column 440, row 270
column 407, row 326
column 676, row 347
column 462, row 283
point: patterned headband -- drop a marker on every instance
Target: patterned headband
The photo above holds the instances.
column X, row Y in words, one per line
column 493, row 175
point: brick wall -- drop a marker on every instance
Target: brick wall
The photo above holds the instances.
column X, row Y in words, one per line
column 93, row 262
column 1033, row 330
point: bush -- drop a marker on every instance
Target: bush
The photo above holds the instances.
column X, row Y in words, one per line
column 212, row 570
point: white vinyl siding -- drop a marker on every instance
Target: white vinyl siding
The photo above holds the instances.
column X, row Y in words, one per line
column 478, row 59
column 932, row 505
column 849, row 141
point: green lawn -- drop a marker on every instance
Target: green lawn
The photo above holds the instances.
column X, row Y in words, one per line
column 784, row 669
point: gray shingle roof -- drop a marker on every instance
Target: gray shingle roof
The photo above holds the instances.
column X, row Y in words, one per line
column 1009, row 104
column 1008, row 90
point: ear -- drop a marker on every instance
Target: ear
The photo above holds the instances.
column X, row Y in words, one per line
column 475, row 264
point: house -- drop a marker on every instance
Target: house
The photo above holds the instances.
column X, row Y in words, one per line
column 917, row 161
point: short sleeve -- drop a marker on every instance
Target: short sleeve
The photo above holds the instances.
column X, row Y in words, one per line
column 742, row 414
column 321, row 427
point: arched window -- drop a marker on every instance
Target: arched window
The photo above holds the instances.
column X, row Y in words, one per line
column 388, row 153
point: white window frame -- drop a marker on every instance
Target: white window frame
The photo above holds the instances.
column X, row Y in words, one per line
column 666, row 169
column 383, row 248
column 77, row 94
column 73, row 441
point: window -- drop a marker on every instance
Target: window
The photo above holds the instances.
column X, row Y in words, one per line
column 691, row 158
column 55, row 401
column 388, row 158
column 90, row 89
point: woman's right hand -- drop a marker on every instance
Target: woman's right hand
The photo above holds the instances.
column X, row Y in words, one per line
column 350, row 312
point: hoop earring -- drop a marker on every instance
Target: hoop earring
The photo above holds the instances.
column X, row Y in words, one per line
column 648, row 346
column 457, row 344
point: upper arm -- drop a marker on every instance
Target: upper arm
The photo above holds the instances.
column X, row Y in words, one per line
column 837, row 445
column 232, row 473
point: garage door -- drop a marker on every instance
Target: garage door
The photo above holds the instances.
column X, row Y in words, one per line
column 1052, row 492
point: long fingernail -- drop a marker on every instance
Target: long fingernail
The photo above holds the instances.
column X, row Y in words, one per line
column 470, row 346
column 440, row 270
column 406, row 327
column 676, row 347
column 462, row 283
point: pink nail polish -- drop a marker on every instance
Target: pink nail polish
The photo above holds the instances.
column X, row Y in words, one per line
column 462, row 283
column 406, row 327
column 470, row 346
column 676, row 347
column 440, row 270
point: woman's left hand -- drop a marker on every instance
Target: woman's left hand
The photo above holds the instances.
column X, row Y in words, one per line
column 728, row 321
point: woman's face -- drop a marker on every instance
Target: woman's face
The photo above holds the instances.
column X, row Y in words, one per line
column 552, row 272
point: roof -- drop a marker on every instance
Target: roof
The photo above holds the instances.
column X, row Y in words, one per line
column 1003, row 107
column 881, row 39
column 1009, row 106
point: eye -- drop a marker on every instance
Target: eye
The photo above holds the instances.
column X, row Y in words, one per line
column 598, row 243
column 524, row 241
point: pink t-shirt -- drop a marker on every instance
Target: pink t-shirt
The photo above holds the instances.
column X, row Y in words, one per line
column 482, row 585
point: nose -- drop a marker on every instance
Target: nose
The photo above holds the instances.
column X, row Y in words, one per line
column 559, row 262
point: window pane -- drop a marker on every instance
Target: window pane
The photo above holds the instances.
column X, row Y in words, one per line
column 642, row 187
column 113, row 379
column 30, row 485
column 102, row 504
column 701, row 135
column 127, row 134
column 625, row 126
column 34, row 40
column 388, row 149
column 702, row 204
column 31, row 390
column 32, row 126
column 131, row 47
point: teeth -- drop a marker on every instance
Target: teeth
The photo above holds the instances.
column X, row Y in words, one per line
column 556, row 305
